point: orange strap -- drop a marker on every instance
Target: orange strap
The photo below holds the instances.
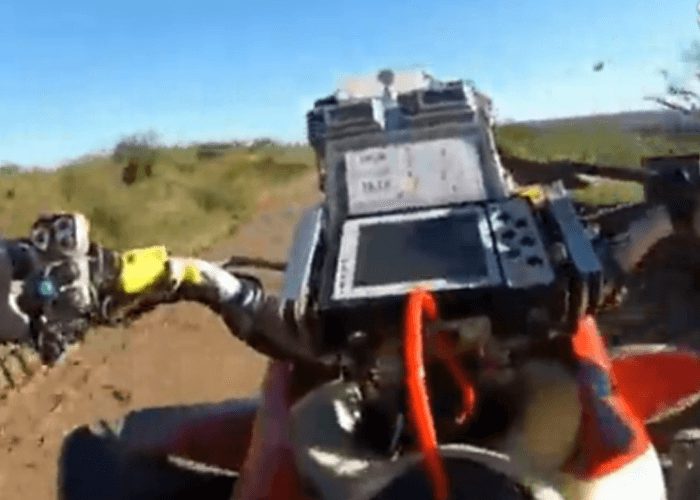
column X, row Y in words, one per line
column 421, row 303
column 445, row 351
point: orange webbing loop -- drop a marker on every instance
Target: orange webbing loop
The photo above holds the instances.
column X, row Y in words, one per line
column 421, row 302
column 445, row 351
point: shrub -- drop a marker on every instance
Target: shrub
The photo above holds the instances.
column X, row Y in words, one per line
column 139, row 152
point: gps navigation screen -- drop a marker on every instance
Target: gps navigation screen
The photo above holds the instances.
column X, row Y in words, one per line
column 448, row 248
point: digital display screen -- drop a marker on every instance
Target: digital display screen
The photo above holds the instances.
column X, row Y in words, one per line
column 420, row 250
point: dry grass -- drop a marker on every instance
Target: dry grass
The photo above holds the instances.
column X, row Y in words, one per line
column 187, row 204
column 191, row 203
column 600, row 144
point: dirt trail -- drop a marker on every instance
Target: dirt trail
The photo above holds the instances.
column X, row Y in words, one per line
column 176, row 354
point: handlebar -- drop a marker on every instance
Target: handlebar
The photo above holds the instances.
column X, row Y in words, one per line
column 118, row 287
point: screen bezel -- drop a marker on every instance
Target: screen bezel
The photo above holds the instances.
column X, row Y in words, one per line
column 344, row 288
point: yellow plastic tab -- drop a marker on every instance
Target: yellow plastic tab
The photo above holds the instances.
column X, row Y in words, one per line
column 143, row 268
column 534, row 193
column 192, row 275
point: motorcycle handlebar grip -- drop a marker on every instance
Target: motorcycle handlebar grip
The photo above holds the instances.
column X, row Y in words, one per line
column 240, row 300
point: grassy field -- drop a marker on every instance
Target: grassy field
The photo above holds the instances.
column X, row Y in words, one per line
column 189, row 203
column 602, row 145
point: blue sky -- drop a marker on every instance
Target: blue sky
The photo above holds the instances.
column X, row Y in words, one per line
column 76, row 75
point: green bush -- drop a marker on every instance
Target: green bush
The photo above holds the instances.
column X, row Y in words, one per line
column 107, row 226
column 9, row 169
column 139, row 152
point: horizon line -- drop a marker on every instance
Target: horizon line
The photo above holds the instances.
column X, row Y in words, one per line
column 102, row 152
